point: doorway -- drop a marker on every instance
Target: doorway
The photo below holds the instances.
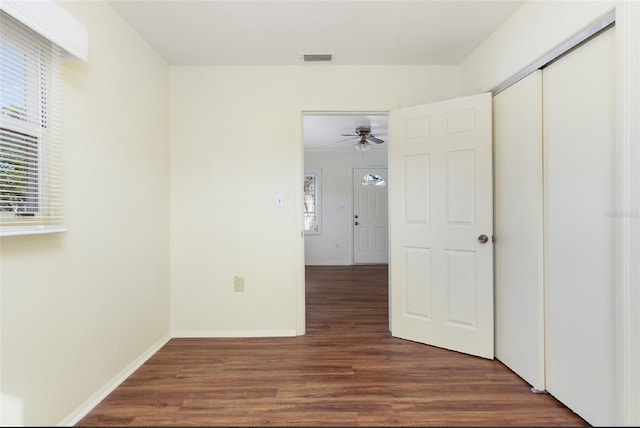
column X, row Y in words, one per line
column 331, row 153
column 452, row 177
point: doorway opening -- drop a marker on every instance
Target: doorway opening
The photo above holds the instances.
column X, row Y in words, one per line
column 345, row 217
column 331, row 158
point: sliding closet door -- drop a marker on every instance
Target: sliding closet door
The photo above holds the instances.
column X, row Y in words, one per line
column 519, row 296
column 578, row 114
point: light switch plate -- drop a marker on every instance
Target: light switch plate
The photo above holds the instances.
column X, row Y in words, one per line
column 238, row 284
column 279, row 201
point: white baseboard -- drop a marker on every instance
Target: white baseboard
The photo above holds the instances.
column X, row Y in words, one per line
column 329, row 263
column 108, row 388
column 102, row 393
column 234, row 333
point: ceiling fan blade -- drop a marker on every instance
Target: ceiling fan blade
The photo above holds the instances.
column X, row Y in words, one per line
column 347, row 139
column 374, row 139
column 350, row 135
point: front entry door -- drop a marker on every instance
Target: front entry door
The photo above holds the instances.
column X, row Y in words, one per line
column 370, row 229
column 441, row 217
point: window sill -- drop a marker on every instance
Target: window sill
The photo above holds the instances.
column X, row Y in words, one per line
column 31, row 230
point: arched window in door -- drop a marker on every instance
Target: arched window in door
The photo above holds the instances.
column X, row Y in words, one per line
column 372, row 180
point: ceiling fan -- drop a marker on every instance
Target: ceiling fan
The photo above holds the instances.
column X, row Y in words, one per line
column 365, row 138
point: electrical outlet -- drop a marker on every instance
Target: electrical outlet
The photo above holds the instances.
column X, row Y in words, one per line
column 238, row 284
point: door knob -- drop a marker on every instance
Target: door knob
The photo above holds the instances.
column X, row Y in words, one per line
column 483, row 239
column 356, row 216
column 356, row 223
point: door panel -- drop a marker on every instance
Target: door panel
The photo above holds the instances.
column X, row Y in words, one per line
column 518, row 220
column 370, row 242
column 418, row 282
column 461, row 288
column 440, row 202
column 460, row 184
column 417, row 174
column 579, row 229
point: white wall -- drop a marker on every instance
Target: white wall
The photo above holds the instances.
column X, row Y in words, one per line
column 534, row 29
column 78, row 308
column 235, row 144
column 334, row 245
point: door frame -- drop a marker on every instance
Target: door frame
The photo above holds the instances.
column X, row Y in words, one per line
column 301, row 111
column 627, row 147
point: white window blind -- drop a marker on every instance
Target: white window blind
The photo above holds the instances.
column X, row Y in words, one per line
column 31, row 199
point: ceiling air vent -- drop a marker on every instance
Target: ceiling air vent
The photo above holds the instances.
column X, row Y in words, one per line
column 317, row 57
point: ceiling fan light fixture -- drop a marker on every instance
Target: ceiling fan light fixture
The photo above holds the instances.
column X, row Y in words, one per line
column 363, row 146
column 365, row 138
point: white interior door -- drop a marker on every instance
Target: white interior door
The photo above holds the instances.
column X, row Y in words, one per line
column 579, row 158
column 441, row 251
column 518, row 228
column 370, row 223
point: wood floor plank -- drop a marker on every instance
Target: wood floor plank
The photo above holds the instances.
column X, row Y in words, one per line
column 346, row 370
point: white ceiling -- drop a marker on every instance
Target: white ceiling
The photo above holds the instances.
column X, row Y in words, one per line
column 277, row 32
column 323, row 131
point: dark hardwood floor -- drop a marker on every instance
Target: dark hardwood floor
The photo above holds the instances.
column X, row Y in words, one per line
column 346, row 371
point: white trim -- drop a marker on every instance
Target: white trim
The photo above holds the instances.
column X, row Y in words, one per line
column 592, row 30
column 52, row 21
column 330, row 263
column 627, row 284
column 298, row 201
column 75, row 416
column 233, row 333
column 16, row 231
column 355, row 109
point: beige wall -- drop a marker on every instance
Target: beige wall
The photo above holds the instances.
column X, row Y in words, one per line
column 235, row 144
column 77, row 308
column 534, row 29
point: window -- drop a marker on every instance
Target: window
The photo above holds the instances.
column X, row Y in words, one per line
column 312, row 203
column 372, row 180
column 30, row 141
